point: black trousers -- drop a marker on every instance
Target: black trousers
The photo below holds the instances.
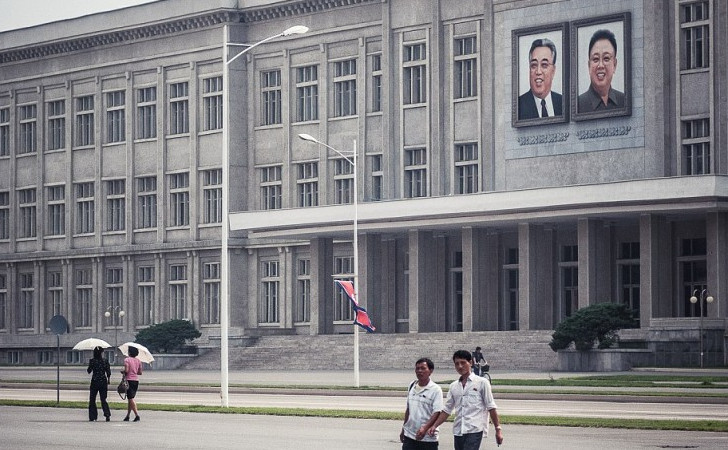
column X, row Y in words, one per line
column 102, row 391
column 411, row 444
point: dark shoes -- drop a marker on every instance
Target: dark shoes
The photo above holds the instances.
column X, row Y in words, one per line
column 137, row 419
column 126, row 419
column 108, row 418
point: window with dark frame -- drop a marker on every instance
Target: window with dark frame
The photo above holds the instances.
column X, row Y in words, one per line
column 695, row 32
column 345, row 88
column 179, row 108
column 696, row 146
column 307, row 183
column 179, row 199
column 212, row 103
column 85, row 121
column 212, row 196
column 414, row 74
column 307, row 93
column 115, row 205
column 56, row 111
column 146, row 113
column 28, row 121
column 56, row 196
column 271, row 187
column 415, row 173
column 465, row 74
column 85, row 208
column 271, row 97
column 466, row 168
column 27, row 212
column 115, row 116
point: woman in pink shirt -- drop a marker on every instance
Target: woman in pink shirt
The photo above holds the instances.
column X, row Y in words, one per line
column 132, row 370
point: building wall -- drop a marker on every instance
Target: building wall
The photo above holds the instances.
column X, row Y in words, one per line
column 471, row 217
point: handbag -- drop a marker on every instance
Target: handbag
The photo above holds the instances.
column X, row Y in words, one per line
column 122, row 388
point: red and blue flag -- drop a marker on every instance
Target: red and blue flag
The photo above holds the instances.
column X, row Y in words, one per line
column 361, row 317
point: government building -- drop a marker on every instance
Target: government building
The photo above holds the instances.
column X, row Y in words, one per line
column 129, row 138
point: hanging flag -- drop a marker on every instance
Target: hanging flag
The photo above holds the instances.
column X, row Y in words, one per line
column 361, row 317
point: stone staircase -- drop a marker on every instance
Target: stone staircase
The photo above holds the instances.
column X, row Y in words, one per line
column 505, row 350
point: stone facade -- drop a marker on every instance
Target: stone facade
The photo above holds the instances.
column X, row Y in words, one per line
column 470, row 218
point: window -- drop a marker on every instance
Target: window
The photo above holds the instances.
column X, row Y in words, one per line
column 3, row 301
column 345, row 88
column 271, row 101
column 54, row 298
column 629, row 276
column 415, row 74
column 179, row 199
column 27, row 294
column 307, row 93
column 115, row 120
column 178, row 291
column 307, row 184
column 82, row 304
column 466, row 168
column 696, row 146
column 114, row 294
column 145, row 290
column 343, row 270
column 28, row 129
column 85, row 121
column 211, row 288
column 466, row 68
column 694, row 273
column 695, row 31
column 569, row 266
column 212, row 193
column 343, row 182
column 4, row 131
column 45, row 357
column 415, row 173
column 26, row 213
column 268, row 310
column 270, row 187
column 302, row 312
column 85, row 208
column 510, row 269
column 179, row 105
column 56, row 210
column 376, row 83
column 146, row 113
column 212, row 103
column 377, row 177
column 56, row 111
column 15, row 357
column 115, row 205
column 4, row 215
column 147, row 202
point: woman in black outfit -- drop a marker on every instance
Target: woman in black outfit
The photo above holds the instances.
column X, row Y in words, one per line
column 100, row 379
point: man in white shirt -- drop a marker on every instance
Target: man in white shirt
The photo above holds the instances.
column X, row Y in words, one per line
column 471, row 399
column 424, row 403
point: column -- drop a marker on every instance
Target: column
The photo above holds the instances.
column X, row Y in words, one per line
column 322, row 313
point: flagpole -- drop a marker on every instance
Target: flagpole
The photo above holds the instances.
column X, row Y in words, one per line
column 356, row 265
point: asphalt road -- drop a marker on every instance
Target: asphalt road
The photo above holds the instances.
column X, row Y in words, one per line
column 557, row 407
column 25, row 428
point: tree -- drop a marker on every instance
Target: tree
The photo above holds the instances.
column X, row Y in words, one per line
column 167, row 337
column 595, row 323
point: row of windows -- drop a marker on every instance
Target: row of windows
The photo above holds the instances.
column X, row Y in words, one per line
column 414, row 83
column 81, row 303
column 114, row 210
column 115, row 124
column 466, row 164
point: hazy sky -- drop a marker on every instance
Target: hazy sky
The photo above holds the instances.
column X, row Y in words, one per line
column 25, row 13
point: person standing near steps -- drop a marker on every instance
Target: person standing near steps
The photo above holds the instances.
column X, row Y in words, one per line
column 132, row 370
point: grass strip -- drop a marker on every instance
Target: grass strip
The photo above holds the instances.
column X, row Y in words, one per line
column 581, row 422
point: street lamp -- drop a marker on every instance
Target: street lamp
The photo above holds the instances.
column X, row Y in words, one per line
column 224, row 261
column 120, row 314
column 704, row 300
column 351, row 159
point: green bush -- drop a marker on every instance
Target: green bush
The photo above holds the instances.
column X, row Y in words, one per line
column 595, row 323
column 168, row 337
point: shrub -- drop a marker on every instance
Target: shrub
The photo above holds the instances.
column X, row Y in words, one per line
column 595, row 323
column 167, row 337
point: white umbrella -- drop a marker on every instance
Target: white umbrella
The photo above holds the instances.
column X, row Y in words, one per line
column 144, row 354
column 91, row 343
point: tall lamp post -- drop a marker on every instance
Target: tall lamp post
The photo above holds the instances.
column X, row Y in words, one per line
column 351, row 159
column 120, row 314
column 224, row 261
column 704, row 300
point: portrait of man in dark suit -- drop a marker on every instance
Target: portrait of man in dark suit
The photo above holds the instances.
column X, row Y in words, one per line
column 602, row 63
column 540, row 101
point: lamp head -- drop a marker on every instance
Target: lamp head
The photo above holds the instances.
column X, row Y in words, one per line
column 122, row 313
column 709, row 299
column 298, row 29
column 693, row 299
column 308, row 137
column 107, row 314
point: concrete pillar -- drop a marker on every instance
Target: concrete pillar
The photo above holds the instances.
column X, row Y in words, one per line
column 656, row 269
column 595, row 272
column 427, row 294
column 535, row 278
column 322, row 306
column 373, row 274
column 716, row 232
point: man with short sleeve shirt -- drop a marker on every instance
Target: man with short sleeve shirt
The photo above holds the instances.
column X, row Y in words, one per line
column 471, row 399
column 424, row 403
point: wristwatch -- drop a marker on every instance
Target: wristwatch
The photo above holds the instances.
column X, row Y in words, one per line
column 499, row 428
